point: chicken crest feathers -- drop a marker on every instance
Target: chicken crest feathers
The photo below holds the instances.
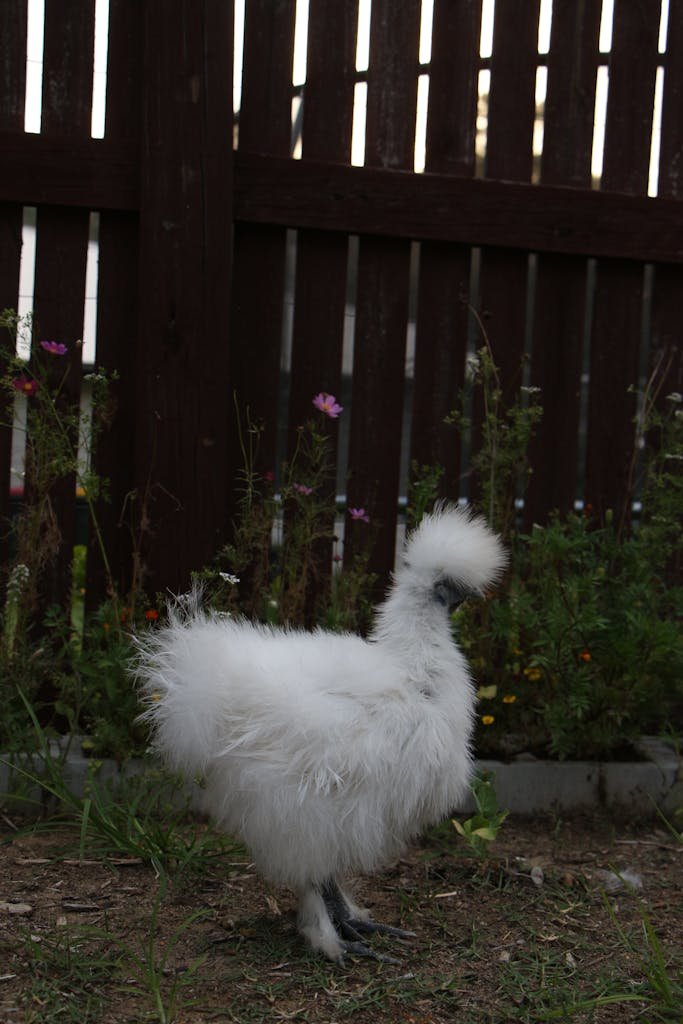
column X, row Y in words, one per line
column 453, row 542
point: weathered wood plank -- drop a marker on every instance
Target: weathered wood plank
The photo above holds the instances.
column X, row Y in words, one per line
column 301, row 193
column 118, row 311
column 182, row 417
column 94, row 174
column 260, row 250
column 667, row 334
column 559, row 316
column 61, row 245
column 319, row 303
column 356, row 200
column 382, row 292
column 13, row 27
column 443, row 296
column 509, row 156
column 618, row 317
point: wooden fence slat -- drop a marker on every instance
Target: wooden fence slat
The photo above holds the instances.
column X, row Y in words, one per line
column 503, row 278
column 442, row 314
column 321, row 257
column 667, row 333
column 320, row 296
column 382, row 293
column 117, row 305
column 617, row 321
column 559, row 316
column 62, row 242
column 13, row 28
column 260, row 252
column 182, row 416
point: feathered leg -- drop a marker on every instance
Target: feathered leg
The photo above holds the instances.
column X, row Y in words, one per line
column 353, row 922
column 332, row 924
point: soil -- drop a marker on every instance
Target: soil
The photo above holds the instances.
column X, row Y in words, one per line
column 543, row 921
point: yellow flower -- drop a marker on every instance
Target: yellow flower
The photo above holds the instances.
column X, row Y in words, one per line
column 532, row 673
column 487, row 719
column 509, row 698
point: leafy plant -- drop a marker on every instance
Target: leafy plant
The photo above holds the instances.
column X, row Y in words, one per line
column 144, row 819
column 501, row 434
column 292, row 582
column 482, row 828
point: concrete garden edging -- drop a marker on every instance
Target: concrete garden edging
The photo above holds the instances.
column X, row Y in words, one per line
column 524, row 786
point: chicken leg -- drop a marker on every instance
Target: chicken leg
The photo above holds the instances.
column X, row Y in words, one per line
column 334, row 925
column 352, row 923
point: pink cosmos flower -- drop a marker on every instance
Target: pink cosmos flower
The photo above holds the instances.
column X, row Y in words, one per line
column 25, row 385
column 359, row 514
column 302, row 489
column 55, row 348
column 328, row 404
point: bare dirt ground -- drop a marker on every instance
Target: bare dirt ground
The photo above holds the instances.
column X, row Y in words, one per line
column 543, row 929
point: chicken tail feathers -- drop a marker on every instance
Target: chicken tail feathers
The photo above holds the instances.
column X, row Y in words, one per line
column 175, row 676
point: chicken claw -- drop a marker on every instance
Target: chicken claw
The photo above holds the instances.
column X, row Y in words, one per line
column 351, row 925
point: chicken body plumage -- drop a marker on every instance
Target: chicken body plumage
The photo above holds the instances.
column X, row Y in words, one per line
column 326, row 753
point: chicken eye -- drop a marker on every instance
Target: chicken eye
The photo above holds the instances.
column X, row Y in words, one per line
column 450, row 594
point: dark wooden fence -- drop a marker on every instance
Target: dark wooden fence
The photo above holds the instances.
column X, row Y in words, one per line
column 197, row 243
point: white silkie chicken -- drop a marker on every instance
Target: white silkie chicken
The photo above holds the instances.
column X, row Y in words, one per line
column 325, row 753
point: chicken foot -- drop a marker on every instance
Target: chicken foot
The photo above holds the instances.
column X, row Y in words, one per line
column 352, row 924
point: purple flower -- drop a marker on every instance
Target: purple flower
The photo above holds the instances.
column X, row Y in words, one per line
column 328, row 404
column 302, row 489
column 359, row 514
column 55, row 348
column 26, row 385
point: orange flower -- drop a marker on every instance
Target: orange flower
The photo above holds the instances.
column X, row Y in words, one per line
column 487, row 719
column 509, row 698
column 586, row 656
column 151, row 614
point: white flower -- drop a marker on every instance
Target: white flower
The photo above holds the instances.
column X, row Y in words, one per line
column 229, row 578
column 472, row 366
column 675, row 396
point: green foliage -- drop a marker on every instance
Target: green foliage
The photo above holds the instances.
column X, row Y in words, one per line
column 582, row 651
column 499, row 462
column 60, row 447
column 423, row 491
column 140, row 817
column 292, row 581
column 481, row 829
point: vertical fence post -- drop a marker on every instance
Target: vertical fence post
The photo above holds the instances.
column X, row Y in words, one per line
column 183, row 397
